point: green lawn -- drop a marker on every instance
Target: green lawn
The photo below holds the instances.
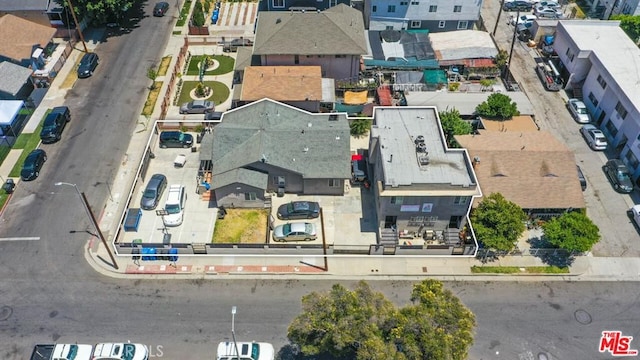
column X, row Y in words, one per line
column 519, row 270
column 184, row 13
column 226, row 65
column 220, row 91
column 27, row 142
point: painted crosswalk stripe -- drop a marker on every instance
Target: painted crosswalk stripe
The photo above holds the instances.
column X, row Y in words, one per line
column 20, row 239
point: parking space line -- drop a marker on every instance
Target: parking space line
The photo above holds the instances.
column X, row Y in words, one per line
column 20, row 239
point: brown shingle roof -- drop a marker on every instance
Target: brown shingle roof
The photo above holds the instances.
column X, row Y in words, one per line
column 532, row 169
column 282, row 83
column 18, row 36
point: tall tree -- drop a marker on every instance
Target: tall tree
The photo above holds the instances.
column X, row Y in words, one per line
column 630, row 25
column 498, row 222
column 363, row 324
column 452, row 124
column 572, row 231
column 99, row 11
column 498, row 106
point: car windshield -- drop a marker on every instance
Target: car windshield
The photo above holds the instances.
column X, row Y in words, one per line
column 182, row 136
column 581, row 110
column 622, row 175
column 49, row 123
column 85, row 61
column 308, row 228
column 172, row 208
column 73, row 352
column 29, row 164
column 128, row 352
column 149, row 194
column 286, row 228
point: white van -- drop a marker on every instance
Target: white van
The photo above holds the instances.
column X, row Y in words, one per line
column 174, row 206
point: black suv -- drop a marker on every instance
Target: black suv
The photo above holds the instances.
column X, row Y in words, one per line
column 54, row 124
column 176, row 139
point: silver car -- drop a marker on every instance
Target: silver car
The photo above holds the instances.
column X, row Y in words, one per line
column 579, row 111
column 297, row 231
column 197, row 107
column 594, row 137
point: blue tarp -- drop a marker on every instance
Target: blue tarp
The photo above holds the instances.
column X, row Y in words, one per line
column 214, row 17
column 173, row 252
column 148, row 254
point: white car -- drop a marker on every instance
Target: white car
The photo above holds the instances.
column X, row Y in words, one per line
column 174, row 206
column 524, row 19
column 549, row 4
column 248, row 351
column 579, row 111
column 594, row 137
column 547, row 12
column 120, row 351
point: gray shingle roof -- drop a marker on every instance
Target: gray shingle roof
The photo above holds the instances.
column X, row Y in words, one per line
column 13, row 77
column 338, row 30
column 285, row 137
column 18, row 5
column 242, row 176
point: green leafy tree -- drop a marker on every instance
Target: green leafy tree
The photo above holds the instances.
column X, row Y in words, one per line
column 197, row 18
column 572, row 231
column 630, row 25
column 152, row 74
column 363, row 324
column 452, row 124
column 498, row 106
column 359, row 127
column 498, row 222
column 99, row 11
column 501, row 58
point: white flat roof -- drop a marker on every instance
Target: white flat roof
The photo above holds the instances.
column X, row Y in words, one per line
column 8, row 110
column 619, row 56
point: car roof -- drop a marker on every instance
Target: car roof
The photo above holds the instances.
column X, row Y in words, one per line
column 298, row 226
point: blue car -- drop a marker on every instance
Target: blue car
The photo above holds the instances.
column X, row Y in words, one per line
column 33, row 164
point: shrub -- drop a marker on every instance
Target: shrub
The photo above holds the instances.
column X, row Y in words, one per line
column 197, row 19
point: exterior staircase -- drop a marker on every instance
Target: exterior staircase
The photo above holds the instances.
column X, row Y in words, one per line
column 206, row 194
column 267, row 201
column 577, row 91
column 388, row 237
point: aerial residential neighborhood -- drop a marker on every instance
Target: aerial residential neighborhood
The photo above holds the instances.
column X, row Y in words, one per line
column 205, row 165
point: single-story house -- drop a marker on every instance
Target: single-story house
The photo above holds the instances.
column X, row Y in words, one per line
column 16, row 81
column 530, row 168
column 299, row 86
column 19, row 38
column 270, row 147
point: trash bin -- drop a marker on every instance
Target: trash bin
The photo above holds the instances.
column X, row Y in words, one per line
column 8, row 186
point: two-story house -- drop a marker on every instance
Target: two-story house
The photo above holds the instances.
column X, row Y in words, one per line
column 423, row 190
column 600, row 62
column 333, row 39
column 432, row 15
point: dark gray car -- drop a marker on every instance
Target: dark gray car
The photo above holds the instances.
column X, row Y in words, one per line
column 299, row 210
column 153, row 192
column 619, row 175
column 88, row 65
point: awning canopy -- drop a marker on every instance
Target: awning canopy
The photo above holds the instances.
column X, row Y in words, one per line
column 435, row 77
column 9, row 110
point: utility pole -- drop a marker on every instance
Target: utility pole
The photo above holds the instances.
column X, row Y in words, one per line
column 73, row 13
column 513, row 42
column 495, row 28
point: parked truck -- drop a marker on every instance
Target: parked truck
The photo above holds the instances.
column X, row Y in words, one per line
column 62, row 352
column 549, row 75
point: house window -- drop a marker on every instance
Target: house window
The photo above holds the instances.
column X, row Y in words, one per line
column 602, row 82
column 396, row 200
column 415, row 3
column 569, row 54
column 457, row 8
column 391, row 8
column 404, row 3
column 277, row 3
column 460, row 200
column 433, row 8
column 374, row 8
column 296, row 59
column 593, row 99
column 389, row 27
column 632, row 159
column 249, row 196
column 622, row 112
column 462, row 25
column 334, row 183
column 415, row 24
column 341, row 56
column 441, row 24
column 612, row 128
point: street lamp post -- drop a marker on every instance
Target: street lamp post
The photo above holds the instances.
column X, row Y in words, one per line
column 233, row 331
column 87, row 208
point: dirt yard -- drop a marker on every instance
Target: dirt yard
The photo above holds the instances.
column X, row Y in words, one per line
column 241, row 226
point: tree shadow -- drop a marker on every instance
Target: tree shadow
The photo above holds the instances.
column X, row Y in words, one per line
column 550, row 254
column 124, row 23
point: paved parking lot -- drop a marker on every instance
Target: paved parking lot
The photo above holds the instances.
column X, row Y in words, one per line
column 199, row 215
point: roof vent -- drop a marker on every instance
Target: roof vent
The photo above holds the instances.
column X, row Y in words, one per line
column 333, row 117
column 309, row 124
column 305, row 149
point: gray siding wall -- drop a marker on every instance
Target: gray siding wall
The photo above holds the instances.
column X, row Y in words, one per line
column 293, row 181
column 233, row 195
column 321, row 187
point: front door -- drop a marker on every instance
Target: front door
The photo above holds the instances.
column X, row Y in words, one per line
column 390, row 221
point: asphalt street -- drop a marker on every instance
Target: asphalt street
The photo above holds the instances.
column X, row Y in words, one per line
column 605, row 206
column 185, row 320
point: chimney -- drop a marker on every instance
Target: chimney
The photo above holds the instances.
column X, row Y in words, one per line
column 476, row 161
